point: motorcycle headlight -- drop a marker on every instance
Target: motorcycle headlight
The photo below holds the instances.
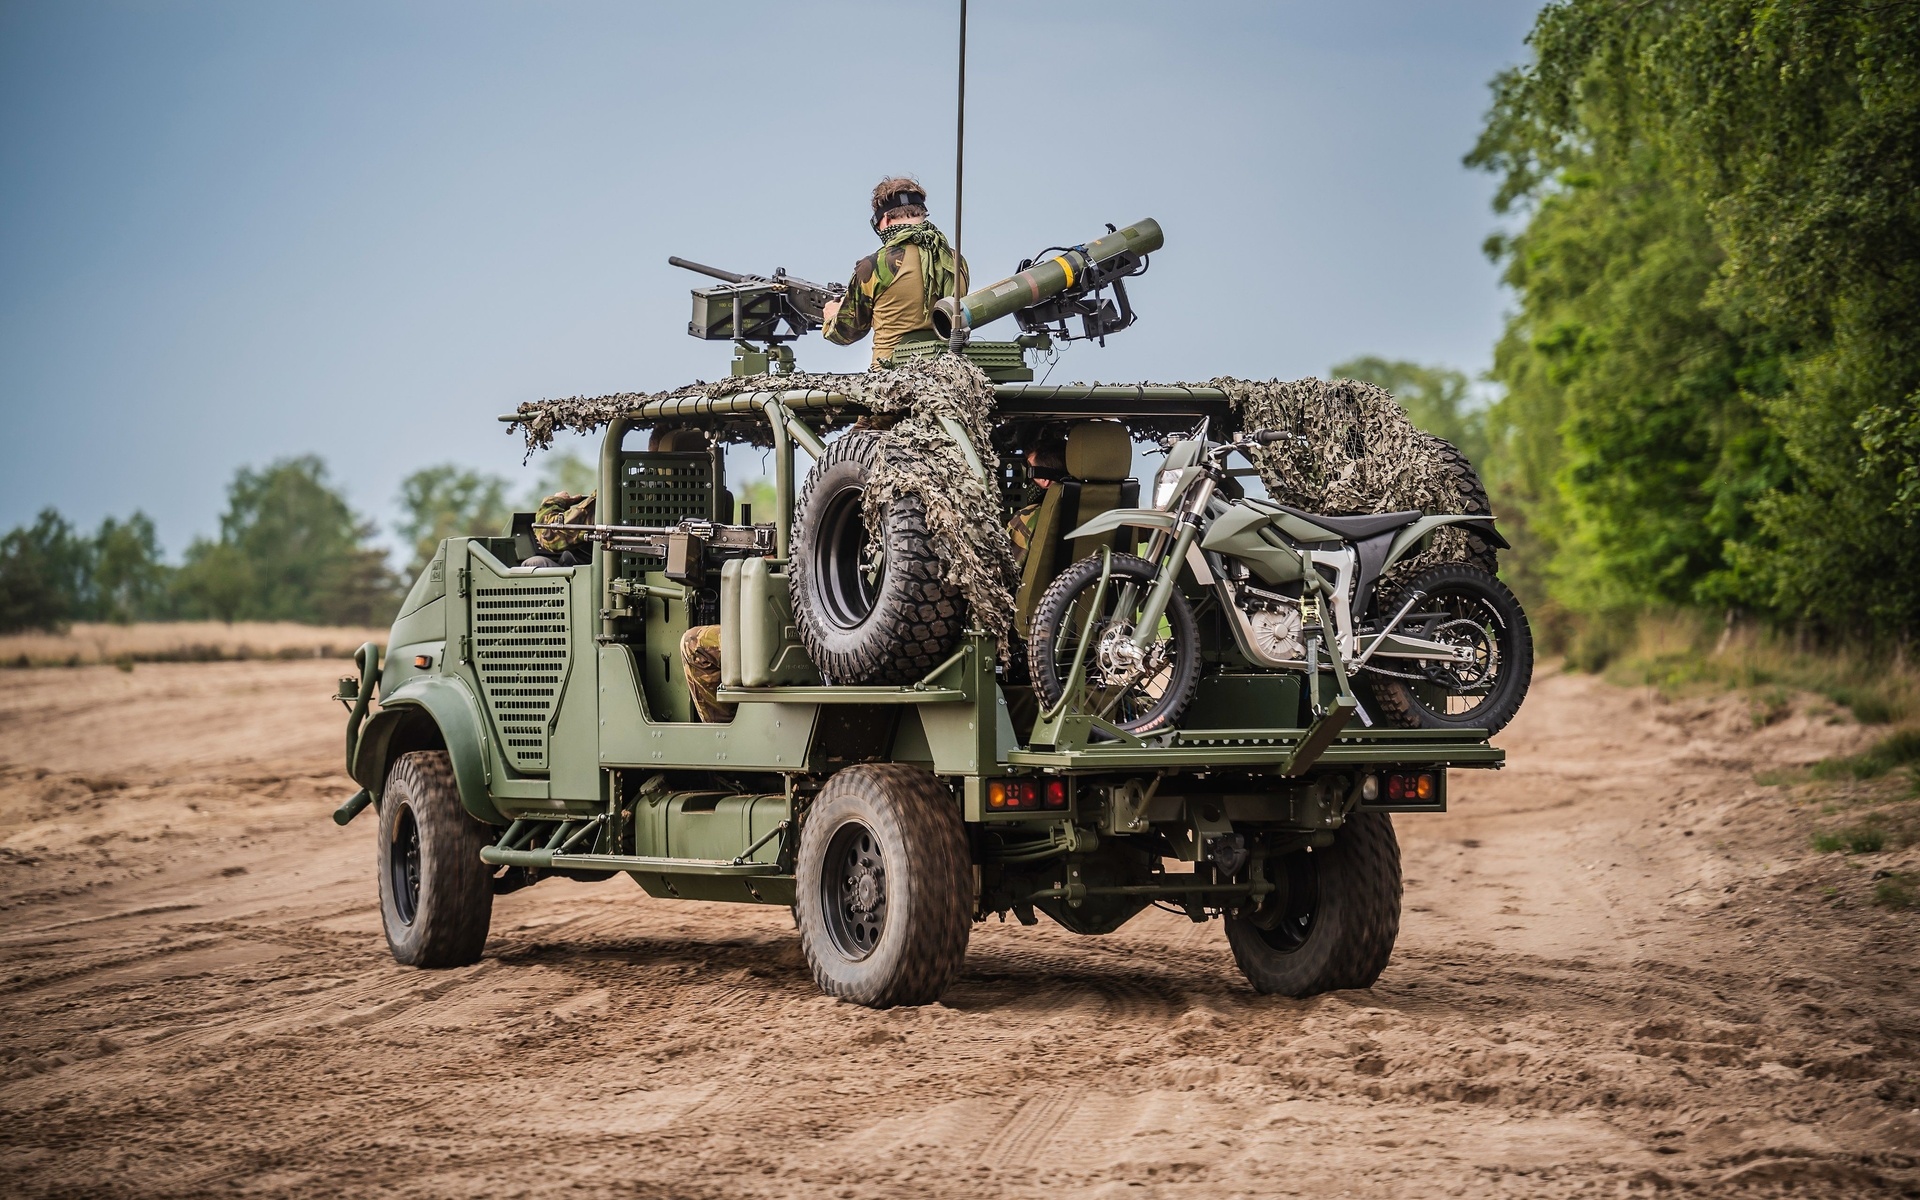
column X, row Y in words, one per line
column 1163, row 487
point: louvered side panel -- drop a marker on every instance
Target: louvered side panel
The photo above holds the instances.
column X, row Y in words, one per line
column 520, row 654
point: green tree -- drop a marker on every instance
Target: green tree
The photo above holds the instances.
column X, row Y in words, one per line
column 1712, row 370
column 563, row 471
column 45, row 574
column 1439, row 399
column 290, row 549
column 449, row 501
column 217, row 581
column 129, row 581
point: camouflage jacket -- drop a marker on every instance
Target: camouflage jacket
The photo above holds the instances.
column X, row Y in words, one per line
column 1020, row 531
column 562, row 508
column 893, row 290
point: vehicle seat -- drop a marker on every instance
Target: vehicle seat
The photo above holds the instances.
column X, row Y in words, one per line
column 1356, row 528
column 1099, row 454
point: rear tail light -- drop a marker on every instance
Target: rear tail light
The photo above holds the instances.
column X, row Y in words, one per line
column 1407, row 788
column 1026, row 794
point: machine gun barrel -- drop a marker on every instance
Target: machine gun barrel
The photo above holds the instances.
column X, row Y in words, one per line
column 1078, row 268
column 715, row 272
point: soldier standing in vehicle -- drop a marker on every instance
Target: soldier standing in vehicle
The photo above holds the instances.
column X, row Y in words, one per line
column 893, row 290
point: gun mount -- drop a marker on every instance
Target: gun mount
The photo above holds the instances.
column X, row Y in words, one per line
column 1065, row 281
column 745, row 309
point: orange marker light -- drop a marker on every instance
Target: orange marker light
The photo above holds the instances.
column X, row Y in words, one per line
column 1424, row 787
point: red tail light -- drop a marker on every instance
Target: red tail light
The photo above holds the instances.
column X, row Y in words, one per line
column 1004, row 794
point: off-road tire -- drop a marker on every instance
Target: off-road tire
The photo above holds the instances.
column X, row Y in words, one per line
column 1393, row 701
column 914, row 826
column 442, row 920
column 913, row 619
column 1057, row 604
column 1355, row 915
column 1474, row 499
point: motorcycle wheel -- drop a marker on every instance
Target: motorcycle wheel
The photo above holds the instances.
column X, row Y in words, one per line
column 1139, row 697
column 1465, row 606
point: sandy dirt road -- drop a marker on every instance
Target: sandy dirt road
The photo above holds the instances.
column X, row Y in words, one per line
column 1620, row 972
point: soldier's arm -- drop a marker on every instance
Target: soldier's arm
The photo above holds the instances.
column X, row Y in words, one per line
column 854, row 317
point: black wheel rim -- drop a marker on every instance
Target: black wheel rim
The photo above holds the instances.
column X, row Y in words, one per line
column 853, row 891
column 1120, row 689
column 1285, row 920
column 1456, row 694
column 849, row 583
column 403, row 866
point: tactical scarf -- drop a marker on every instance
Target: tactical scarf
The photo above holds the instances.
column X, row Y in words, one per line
column 936, row 256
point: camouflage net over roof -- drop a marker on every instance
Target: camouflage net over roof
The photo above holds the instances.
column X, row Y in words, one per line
column 903, row 406
column 1362, row 455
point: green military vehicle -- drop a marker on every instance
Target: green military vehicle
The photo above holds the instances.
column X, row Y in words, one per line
column 1211, row 702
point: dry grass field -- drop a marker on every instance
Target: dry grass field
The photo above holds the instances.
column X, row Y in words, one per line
column 88, row 643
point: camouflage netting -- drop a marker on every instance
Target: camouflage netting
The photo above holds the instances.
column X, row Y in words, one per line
column 920, row 458
column 904, row 407
column 1362, row 455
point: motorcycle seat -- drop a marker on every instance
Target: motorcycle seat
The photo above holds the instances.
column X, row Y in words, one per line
column 1356, row 528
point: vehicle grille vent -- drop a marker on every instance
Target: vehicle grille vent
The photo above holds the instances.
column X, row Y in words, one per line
column 520, row 653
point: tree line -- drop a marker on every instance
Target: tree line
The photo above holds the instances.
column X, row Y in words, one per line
column 289, row 548
column 1711, row 381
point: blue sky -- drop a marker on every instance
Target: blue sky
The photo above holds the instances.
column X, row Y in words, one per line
column 231, row 232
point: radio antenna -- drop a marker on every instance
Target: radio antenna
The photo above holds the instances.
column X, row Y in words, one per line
column 959, row 177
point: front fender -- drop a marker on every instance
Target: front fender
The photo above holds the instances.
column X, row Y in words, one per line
column 456, row 714
column 1410, row 537
column 1114, row 518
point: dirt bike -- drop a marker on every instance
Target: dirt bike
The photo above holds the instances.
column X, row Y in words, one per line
column 1448, row 648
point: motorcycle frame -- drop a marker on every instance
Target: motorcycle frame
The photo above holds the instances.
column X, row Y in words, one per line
column 1183, row 529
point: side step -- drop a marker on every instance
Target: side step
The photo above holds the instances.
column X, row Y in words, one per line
column 548, row 860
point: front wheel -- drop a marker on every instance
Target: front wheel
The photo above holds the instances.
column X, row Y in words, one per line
column 884, row 886
column 436, row 896
column 1138, row 688
column 1464, row 607
column 1332, row 919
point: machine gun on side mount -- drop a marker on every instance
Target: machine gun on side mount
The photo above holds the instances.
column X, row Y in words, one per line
column 684, row 546
column 753, row 308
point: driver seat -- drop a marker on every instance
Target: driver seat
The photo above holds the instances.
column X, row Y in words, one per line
column 1099, row 455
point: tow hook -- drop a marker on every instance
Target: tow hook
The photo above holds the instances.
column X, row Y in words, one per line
column 351, row 809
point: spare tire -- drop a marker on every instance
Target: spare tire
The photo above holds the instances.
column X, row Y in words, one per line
column 888, row 618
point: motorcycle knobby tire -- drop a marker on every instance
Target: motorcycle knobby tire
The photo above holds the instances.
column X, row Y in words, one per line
column 1407, row 704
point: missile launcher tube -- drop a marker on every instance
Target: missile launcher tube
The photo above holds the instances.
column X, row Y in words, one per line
column 1043, row 280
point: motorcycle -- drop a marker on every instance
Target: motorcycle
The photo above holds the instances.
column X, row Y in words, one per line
column 1448, row 648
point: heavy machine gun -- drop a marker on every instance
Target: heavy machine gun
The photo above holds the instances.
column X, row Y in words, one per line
column 755, row 306
column 684, row 546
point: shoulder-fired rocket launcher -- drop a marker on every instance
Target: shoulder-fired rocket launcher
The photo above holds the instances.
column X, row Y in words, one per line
column 1066, row 281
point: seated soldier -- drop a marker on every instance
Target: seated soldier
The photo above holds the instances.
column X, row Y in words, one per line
column 1047, row 464
column 700, row 661
column 559, row 547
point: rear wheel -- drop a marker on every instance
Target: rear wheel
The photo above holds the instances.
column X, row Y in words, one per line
column 885, row 886
column 1465, row 607
column 436, row 896
column 1332, row 920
